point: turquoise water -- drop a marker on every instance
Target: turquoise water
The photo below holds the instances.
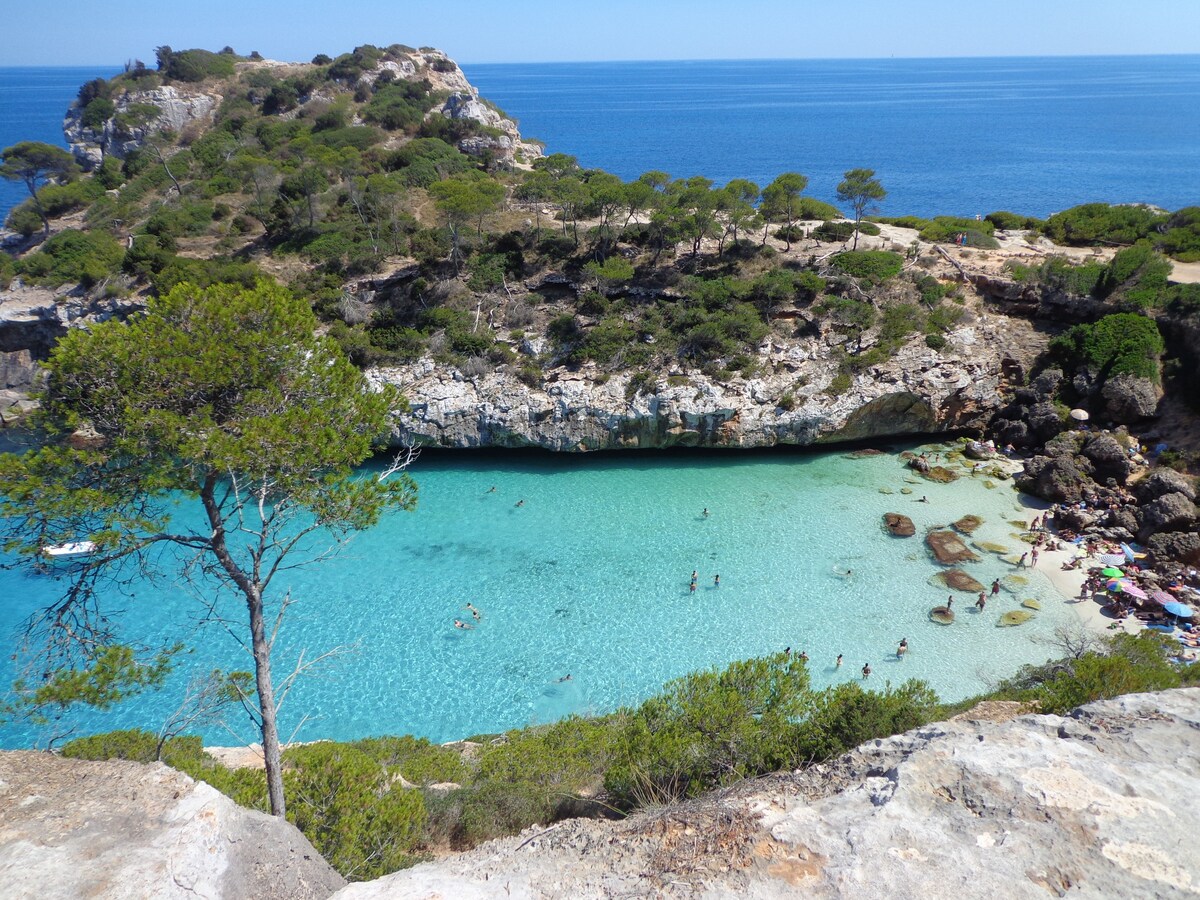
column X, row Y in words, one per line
column 590, row 576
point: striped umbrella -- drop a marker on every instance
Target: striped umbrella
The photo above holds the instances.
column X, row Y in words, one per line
column 1128, row 587
column 1111, row 559
column 1161, row 597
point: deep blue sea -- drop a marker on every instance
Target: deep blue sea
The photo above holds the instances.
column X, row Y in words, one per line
column 946, row 136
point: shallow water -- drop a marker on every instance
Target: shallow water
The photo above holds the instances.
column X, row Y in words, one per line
column 591, row 577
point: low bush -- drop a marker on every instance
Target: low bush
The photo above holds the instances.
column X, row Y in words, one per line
column 1099, row 224
column 874, row 266
column 1009, row 221
column 86, row 257
column 1120, row 344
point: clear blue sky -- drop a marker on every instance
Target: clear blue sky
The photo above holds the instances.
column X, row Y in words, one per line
column 87, row 32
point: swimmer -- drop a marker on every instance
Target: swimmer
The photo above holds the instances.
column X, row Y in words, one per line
column 692, row 587
column 838, row 664
column 804, row 655
column 923, row 500
column 458, row 623
column 902, row 648
column 716, row 581
column 705, row 513
column 787, row 652
column 695, row 575
column 866, row 670
column 566, row 677
column 492, row 489
column 849, row 572
column 520, row 503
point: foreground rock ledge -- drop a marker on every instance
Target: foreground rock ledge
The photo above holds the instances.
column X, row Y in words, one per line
column 71, row 829
column 1102, row 803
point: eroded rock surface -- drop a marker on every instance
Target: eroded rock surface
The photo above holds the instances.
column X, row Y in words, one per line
column 71, row 828
column 1097, row 804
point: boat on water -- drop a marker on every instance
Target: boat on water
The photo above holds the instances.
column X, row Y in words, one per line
column 69, row 550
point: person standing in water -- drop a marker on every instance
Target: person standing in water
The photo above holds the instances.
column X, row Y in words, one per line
column 838, row 664
column 981, row 602
column 995, row 587
column 902, row 648
column 705, row 513
column 716, row 581
column 950, row 602
column 866, row 670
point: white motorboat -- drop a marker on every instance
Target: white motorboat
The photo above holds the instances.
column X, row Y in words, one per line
column 70, row 550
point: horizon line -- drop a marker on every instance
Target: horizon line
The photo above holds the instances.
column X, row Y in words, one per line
column 707, row 59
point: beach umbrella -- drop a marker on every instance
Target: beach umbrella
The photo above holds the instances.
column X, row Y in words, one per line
column 1132, row 590
column 1176, row 608
column 1130, row 556
column 1111, row 572
column 1079, row 415
column 1111, row 559
column 1161, row 597
column 1115, row 586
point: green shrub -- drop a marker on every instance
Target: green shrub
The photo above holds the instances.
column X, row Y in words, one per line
column 204, row 273
column 196, row 65
column 86, row 257
column 1100, row 224
column 348, row 805
column 839, row 385
column 399, row 106
column 935, row 341
column 1124, row 343
column 8, row 268
column 809, row 209
column 874, row 266
column 903, row 221
column 845, row 716
column 1008, row 221
column 1181, row 235
column 97, row 112
column 834, row 232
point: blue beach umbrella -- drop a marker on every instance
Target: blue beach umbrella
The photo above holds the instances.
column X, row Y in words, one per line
column 1176, row 608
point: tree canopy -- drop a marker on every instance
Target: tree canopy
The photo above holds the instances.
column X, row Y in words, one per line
column 34, row 162
column 220, row 397
column 860, row 188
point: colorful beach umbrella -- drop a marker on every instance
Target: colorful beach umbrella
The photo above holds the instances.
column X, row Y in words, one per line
column 1133, row 590
column 1176, row 608
column 1112, row 572
column 1115, row 585
column 1161, row 597
column 1111, row 559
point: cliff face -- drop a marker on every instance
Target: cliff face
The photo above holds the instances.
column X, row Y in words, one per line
column 919, row 391
column 71, row 829
column 1100, row 803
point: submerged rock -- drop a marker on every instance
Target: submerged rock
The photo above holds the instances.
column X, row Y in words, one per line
column 943, row 615
column 940, row 475
column 958, row 580
column 899, row 525
column 968, row 524
column 948, row 548
column 1014, row 617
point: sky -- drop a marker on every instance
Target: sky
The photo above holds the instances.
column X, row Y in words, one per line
column 109, row 32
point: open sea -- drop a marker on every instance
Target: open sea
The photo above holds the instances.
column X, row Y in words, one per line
column 591, row 575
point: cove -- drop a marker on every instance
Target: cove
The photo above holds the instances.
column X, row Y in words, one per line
column 589, row 576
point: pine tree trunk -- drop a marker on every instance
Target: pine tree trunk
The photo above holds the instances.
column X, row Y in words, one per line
column 266, row 704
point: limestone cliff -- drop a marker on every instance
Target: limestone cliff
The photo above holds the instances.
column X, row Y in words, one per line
column 1100, row 803
column 71, row 829
column 919, row 391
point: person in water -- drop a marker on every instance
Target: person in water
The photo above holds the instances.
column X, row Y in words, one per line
column 492, row 489
column 804, row 655
column 716, row 581
column 475, row 614
column 692, row 587
column 982, row 601
column 923, row 500
column 458, row 623
column 838, row 664
column 950, row 601
column 520, row 503
column 566, row 677
column 995, row 587
column 705, row 513
column 902, row 648
column 866, row 670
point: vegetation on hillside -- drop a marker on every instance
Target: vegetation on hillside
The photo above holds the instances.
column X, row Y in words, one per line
column 703, row 731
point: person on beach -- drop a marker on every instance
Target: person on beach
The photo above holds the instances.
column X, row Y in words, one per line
column 1021, row 561
column 838, row 664
column 1033, row 559
column 981, row 602
column 458, row 623
column 866, row 670
column 902, row 648
column 995, row 587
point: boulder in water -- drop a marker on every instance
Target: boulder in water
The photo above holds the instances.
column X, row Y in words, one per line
column 1014, row 617
column 948, row 548
column 900, row 526
column 943, row 615
column 1030, row 603
column 968, row 524
column 940, row 474
column 958, row 580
